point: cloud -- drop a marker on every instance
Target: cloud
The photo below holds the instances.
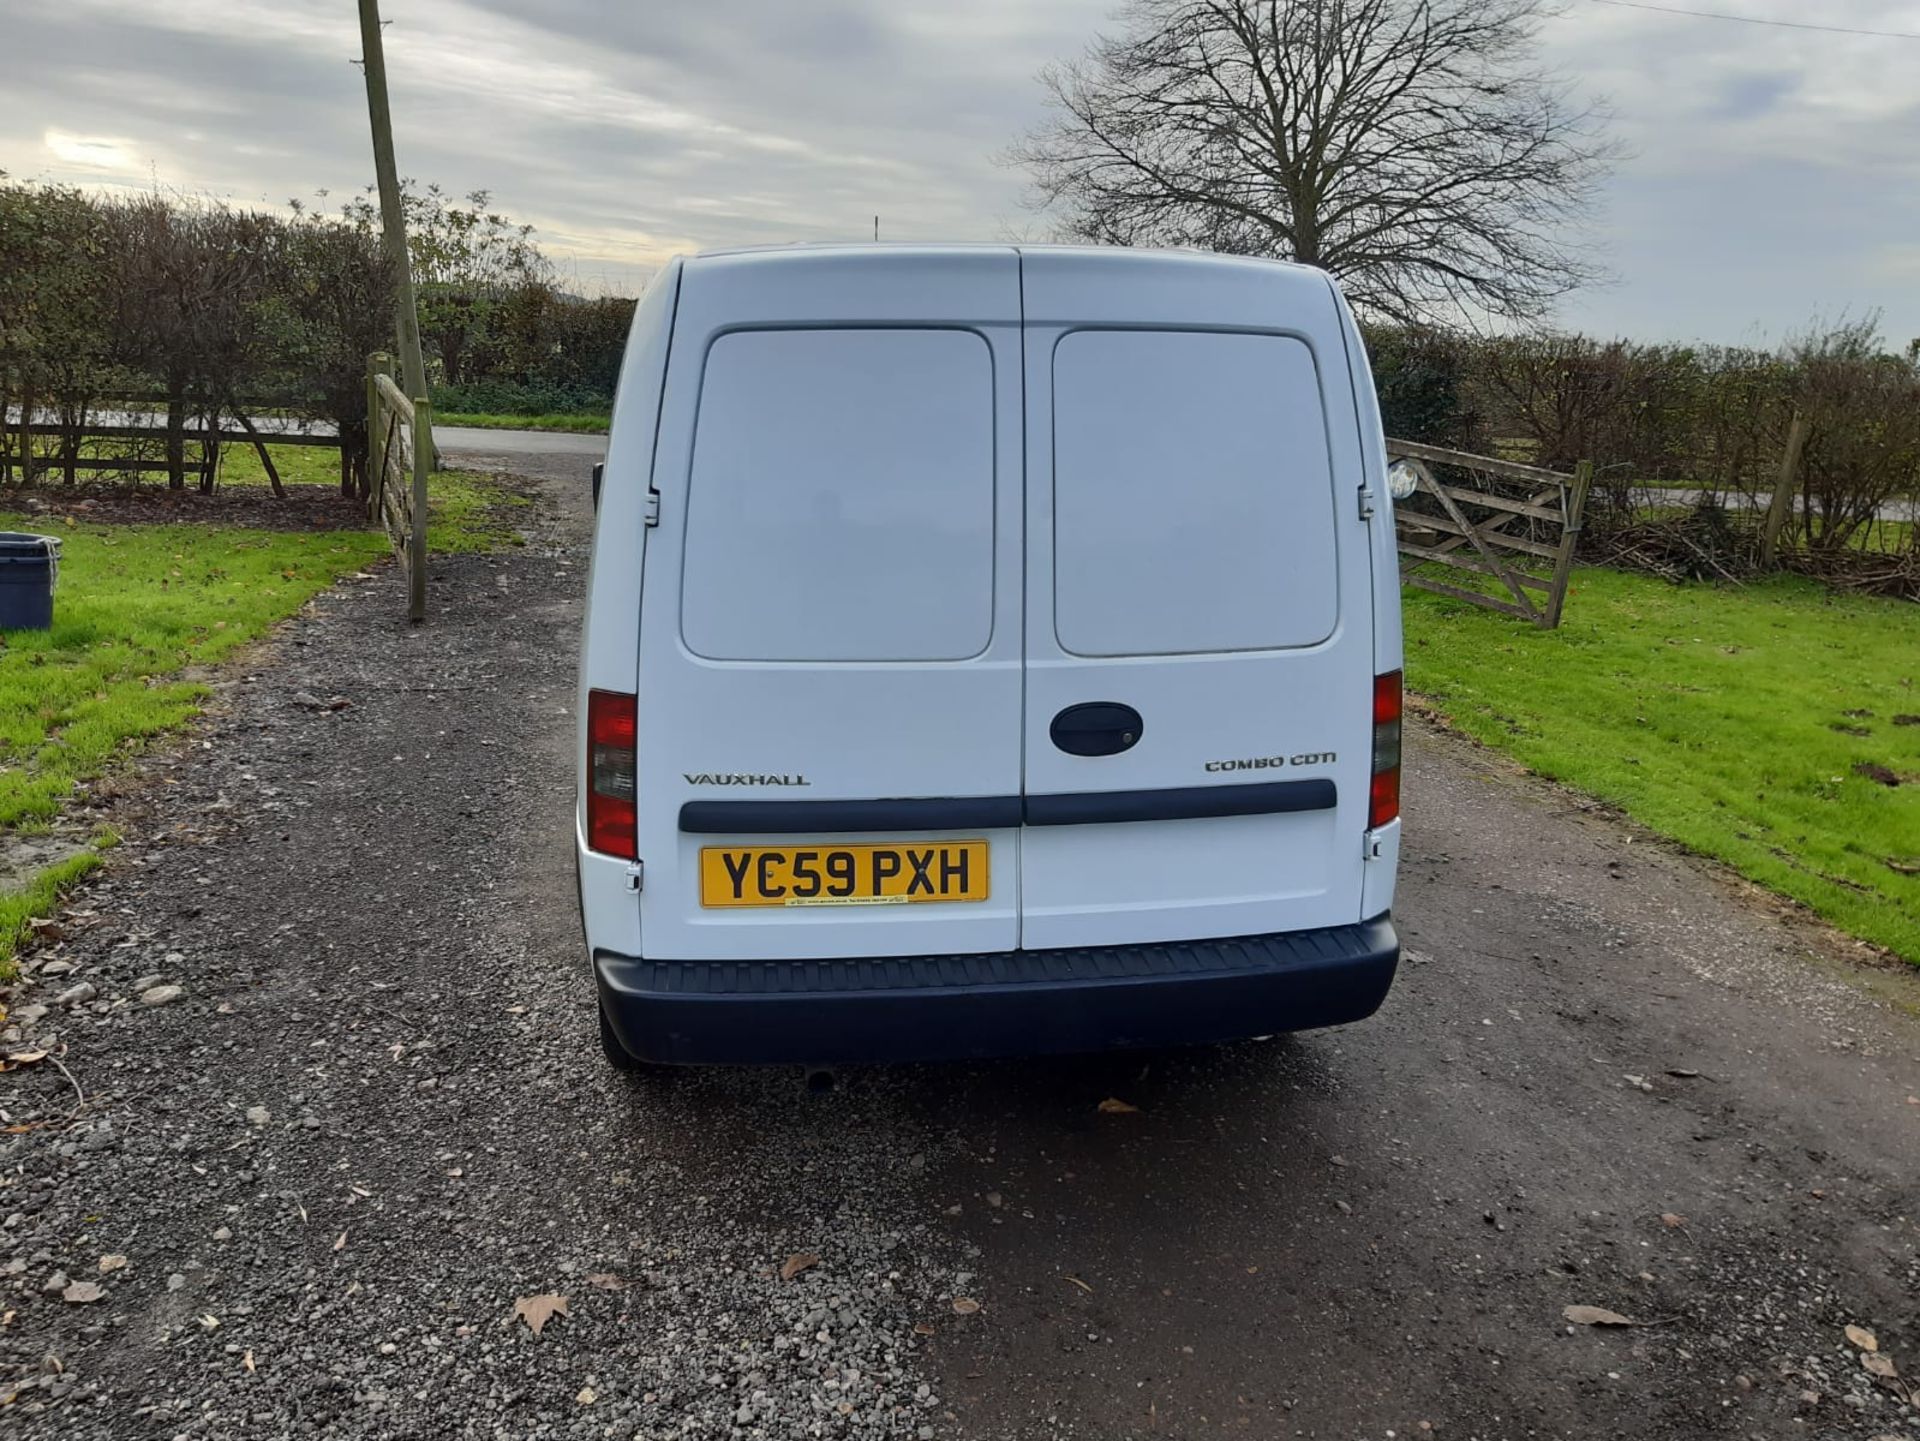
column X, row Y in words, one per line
column 1771, row 173
column 94, row 153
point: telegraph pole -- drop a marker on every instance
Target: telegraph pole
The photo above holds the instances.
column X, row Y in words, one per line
column 413, row 371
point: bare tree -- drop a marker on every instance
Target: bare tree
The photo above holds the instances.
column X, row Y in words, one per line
column 1414, row 148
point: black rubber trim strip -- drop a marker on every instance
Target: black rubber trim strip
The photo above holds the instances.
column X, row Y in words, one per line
column 1090, row 808
column 974, row 813
column 793, row 818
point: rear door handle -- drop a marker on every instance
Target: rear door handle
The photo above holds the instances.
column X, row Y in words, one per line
column 1096, row 728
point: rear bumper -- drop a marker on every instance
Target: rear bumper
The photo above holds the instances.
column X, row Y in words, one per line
column 1012, row 1003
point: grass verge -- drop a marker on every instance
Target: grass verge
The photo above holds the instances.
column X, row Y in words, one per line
column 1759, row 725
column 467, row 513
column 483, row 420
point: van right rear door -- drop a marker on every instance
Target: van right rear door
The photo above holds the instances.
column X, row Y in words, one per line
column 1197, row 728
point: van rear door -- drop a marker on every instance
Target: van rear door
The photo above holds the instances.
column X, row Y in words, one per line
column 1196, row 559
column 830, row 637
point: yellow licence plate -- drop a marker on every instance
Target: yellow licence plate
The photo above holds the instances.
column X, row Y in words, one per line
column 894, row 873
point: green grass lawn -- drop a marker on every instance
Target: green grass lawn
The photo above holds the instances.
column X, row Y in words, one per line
column 297, row 465
column 138, row 610
column 1728, row 718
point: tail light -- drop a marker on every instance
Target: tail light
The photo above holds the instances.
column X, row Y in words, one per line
column 1383, row 795
column 611, row 772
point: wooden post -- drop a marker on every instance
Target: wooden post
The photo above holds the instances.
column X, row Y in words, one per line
column 378, row 364
column 393, row 216
column 27, row 400
column 417, row 523
column 1576, row 503
column 1784, row 485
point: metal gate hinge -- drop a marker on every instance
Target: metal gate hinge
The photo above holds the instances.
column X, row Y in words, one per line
column 636, row 875
column 653, row 506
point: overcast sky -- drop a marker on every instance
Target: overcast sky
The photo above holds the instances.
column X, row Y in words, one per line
column 1774, row 175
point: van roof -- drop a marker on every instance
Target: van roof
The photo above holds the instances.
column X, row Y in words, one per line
column 1143, row 256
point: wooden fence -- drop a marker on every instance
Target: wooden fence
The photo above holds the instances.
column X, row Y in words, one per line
column 1490, row 525
column 39, row 448
column 399, row 459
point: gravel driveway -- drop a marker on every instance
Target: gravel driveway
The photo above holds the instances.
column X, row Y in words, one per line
column 311, row 1187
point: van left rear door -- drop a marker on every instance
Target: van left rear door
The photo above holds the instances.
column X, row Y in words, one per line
column 830, row 637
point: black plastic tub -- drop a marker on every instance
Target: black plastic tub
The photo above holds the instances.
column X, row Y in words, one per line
column 29, row 565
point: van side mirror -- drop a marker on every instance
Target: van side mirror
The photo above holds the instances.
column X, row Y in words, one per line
column 599, row 468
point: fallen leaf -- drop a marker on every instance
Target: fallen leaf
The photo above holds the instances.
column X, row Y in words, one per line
column 210, row 1322
column 921, row 1328
column 341, row 1243
column 1863, row 1338
column 586, row 1396
column 111, row 1263
column 965, row 1305
column 1683, row 1073
column 1076, row 1281
column 1878, row 1364
column 536, row 1311
column 1114, row 1106
column 247, row 1362
column 607, row 1281
column 796, row 1263
column 1673, row 1220
column 81, row 1292
column 1596, row 1316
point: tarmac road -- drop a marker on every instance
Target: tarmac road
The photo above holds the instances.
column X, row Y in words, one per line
column 374, row 1121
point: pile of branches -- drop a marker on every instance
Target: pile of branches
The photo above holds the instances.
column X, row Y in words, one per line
column 1711, row 542
column 1705, row 543
column 1894, row 574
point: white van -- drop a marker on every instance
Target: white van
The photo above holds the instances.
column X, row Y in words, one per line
column 988, row 651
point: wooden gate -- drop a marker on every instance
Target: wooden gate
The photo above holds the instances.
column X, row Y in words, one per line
column 1490, row 525
column 399, row 458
